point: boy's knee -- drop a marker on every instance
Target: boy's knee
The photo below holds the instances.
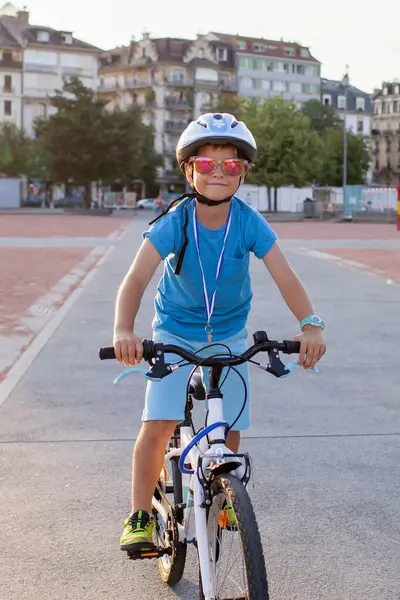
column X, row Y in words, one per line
column 158, row 430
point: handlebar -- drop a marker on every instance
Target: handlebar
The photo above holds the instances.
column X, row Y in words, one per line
column 152, row 350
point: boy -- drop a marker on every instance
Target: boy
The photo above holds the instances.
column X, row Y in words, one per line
column 203, row 296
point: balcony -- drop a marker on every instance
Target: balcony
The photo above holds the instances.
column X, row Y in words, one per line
column 38, row 68
column 176, row 104
column 178, row 82
column 8, row 90
column 175, row 126
column 137, row 84
column 9, row 63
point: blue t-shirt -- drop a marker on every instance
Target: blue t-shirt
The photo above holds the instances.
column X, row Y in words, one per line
column 179, row 303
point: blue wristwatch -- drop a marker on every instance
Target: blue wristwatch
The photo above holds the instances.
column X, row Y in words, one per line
column 314, row 320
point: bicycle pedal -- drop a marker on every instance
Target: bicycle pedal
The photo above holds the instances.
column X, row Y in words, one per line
column 156, row 553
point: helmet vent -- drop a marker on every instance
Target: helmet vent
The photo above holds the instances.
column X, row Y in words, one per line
column 234, row 124
column 218, row 117
column 202, row 123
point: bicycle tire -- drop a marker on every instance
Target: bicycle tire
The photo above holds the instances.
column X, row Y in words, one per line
column 249, row 535
column 172, row 573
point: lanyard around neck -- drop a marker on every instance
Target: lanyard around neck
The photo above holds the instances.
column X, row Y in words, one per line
column 209, row 303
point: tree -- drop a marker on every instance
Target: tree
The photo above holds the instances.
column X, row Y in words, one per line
column 88, row 143
column 331, row 165
column 21, row 155
column 230, row 103
column 288, row 148
column 322, row 117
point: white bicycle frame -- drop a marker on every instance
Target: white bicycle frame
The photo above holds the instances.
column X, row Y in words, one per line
column 195, row 521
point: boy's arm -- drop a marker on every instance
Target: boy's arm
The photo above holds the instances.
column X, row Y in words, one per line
column 297, row 299
column 128, row 347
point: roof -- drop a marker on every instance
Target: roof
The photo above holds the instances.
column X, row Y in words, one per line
column 169, row 50
column 271, row 47
column 55, row 38
column 336, row 88
column 6, row 39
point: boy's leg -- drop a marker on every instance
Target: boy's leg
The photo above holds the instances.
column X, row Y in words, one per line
column 148, row 459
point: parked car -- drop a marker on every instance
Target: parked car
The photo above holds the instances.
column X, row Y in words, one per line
column 68, row 202
column 149, row 203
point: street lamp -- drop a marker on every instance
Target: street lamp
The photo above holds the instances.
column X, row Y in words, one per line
column 345, row 83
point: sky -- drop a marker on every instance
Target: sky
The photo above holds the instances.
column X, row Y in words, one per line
column 339, row 33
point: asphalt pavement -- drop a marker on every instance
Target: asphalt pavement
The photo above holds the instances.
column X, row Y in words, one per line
column 325, row 449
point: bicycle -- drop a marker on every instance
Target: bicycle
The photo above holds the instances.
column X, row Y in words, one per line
column 202, row 481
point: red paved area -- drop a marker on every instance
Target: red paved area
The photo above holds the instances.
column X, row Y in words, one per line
column 61, row 225
column 385, row 262
column 323, row 230
column 28, row 273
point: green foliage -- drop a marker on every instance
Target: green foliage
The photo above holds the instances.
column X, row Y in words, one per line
column 288, row 148
column 89, row 143
column 331, row 166
column 322, row 117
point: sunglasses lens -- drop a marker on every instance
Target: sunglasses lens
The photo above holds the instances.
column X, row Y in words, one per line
column 233, row 167
column 204, row 165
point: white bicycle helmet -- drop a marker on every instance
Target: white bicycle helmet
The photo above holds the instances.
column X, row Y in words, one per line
column 216, row 128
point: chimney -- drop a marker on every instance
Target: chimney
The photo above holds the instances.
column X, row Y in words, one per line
column 23, row 17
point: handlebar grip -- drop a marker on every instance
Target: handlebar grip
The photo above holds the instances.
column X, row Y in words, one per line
column 291, row 347
column 107, row 352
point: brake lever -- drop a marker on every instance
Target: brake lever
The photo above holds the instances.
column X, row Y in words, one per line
column 275, row 366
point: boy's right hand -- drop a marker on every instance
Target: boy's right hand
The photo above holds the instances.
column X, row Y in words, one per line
column 128, row 347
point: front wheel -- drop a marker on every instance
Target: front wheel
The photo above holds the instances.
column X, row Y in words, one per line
column 234, row 544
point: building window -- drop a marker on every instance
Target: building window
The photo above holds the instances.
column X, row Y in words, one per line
column 360, row 126
column 7, row 108
column 200, row 53
column 310, row 88
column 286, row 67
column 177, row 75
column 43, row 36
column 290, row 52
column 7, row 55
column 258, row 63
column 266, row 84
column 395, row 106
column 259, row 47
column 66, row 38
column 246, row 82
column 300, row 69
column 360, row 103
column 222, row 54
column 295, row 87
column 241, row 45
column 341, row 102
column 243, row 62
column 327, row 99
column 256, row 84
column 279, row 86
column 305, row 53
column 7, row 84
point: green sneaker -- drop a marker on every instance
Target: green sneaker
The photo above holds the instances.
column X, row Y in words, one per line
column 231, row 524
column 138, row 532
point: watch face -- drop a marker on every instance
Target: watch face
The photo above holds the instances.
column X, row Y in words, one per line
column 316, row 319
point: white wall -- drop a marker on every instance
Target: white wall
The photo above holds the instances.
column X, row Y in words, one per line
column 289, row 199
column 10, row 193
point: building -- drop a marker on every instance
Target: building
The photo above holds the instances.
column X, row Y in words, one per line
column 386, row 134
column 40, row 59
column 358, row 105
column 10, row 78
column 172, row 80
column 268, row 68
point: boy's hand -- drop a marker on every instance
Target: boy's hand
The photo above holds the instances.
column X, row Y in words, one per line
column 128, row 347
column 312, row 347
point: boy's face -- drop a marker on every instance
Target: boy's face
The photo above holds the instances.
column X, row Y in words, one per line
column 217, row 185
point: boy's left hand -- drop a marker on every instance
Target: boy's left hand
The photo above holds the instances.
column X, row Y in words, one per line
column 312, row 347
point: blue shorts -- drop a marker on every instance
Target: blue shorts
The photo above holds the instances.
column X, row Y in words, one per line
column 166, row 399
